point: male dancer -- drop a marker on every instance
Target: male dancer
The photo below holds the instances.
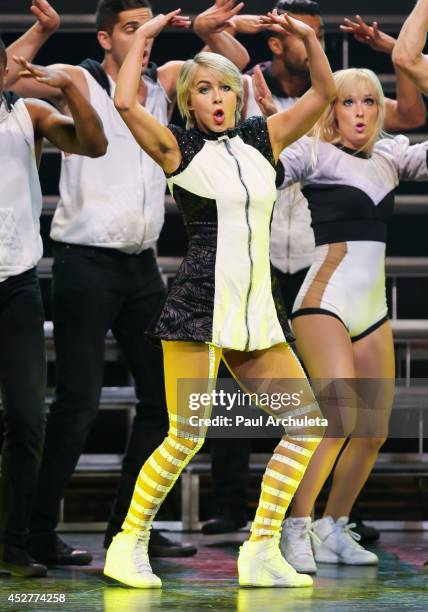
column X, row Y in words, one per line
column 23, row 125
column 105, row 274
column 292, row 239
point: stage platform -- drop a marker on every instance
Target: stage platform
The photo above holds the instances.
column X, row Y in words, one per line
column 208, row 582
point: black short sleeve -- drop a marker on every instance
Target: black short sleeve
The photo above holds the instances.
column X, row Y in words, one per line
column 255, row 132
column 190, row 143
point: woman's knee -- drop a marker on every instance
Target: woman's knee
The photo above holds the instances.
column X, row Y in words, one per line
column 372, row 444
column 186, row 445
column 305, row 423
column 330, row 444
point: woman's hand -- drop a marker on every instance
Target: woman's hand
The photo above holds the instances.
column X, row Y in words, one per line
column 248, row 24
column 154, row 27
column 369, row 35
column 287, row 23
column 262, row 93
column 217, row 18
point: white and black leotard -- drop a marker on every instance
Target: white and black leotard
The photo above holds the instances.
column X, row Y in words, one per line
column 225, row 189
column 351, row 197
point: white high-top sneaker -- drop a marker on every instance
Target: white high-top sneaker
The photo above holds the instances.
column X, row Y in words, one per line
column 338, row 543
column 127, row 561
column 260, row 564
column 296, row 545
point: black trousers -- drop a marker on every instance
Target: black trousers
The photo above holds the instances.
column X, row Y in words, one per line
column 95, row 290
column 230, row 457
column 23, row 386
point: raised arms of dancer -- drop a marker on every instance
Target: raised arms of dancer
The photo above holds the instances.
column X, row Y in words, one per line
column 407, row 53
column 289, row 125
column 210, row 26
column 263, row 94
column 82, row 133
column 29, row 43
column 408, row 110
column 156, row 139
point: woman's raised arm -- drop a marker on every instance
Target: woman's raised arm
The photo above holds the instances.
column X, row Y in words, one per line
column 408, row 51
column 156, row 139
column 289, row 125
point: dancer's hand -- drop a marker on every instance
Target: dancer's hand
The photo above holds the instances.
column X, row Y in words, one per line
column 369, row 34
column 217, row 18
column 263, row 94
column 152, row 28
column 249, row 24
column 48, row 20
column 287, row 23
column 54, row 77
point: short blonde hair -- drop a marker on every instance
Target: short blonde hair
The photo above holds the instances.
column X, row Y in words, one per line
column 222, row 68
column 346, row 81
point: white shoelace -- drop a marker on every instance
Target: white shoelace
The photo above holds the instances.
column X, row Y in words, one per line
column 308, row 531
column 353, row 537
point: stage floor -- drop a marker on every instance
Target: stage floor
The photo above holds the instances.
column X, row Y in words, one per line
column 208, row 582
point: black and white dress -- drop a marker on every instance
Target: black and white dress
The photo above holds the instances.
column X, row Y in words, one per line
column 351, row 198
column 225, row 189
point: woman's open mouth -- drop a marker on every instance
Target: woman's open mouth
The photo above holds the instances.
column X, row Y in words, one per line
column 360, row 127
column 219, row 117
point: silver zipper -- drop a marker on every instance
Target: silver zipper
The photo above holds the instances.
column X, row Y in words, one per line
column 247, row 218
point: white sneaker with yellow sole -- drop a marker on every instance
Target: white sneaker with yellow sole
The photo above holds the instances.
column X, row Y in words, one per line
column 127, row 561
column 261, row 564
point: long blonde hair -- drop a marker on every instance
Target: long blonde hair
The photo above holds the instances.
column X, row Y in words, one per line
column 221, row 67
column 347, row 81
